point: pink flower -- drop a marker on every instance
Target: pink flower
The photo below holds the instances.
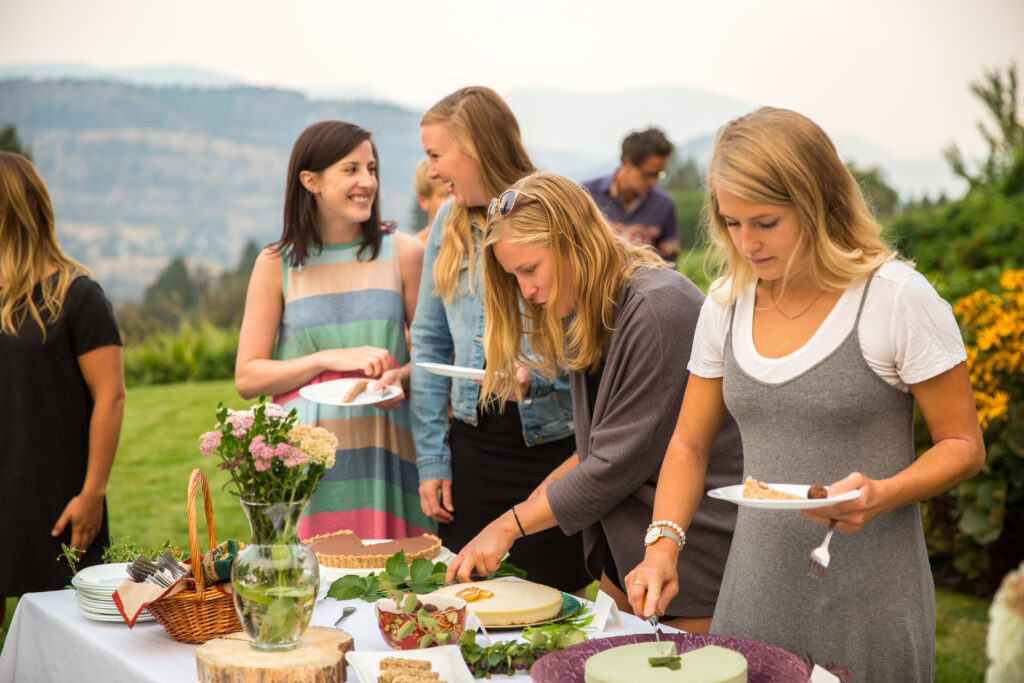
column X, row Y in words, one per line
column 262, row 453
column 209, row 443
column 240, row 423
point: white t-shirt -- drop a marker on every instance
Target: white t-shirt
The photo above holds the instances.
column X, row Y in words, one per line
column 908, row 333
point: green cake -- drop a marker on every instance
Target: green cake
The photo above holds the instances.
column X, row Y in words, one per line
column 628, row 664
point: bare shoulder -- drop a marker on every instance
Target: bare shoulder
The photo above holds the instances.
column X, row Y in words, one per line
column 409, row 248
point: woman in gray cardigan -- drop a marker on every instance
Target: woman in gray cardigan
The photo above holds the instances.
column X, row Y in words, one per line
column 556, row 275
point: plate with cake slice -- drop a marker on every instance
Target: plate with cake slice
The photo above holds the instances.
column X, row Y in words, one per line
column 758, row 494
column 348, row 391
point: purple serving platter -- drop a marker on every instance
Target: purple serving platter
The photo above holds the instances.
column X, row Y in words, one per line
column 765, row 663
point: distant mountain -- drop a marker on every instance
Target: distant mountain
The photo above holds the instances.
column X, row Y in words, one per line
column 156, row 76
column 142, row 173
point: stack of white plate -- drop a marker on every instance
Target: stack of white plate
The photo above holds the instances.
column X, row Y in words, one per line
column 95, row 588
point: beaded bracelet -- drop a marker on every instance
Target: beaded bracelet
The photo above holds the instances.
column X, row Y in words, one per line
column 671, row 525
column 518, row 523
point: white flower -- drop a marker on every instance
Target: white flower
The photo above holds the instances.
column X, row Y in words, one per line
column 1005, row 642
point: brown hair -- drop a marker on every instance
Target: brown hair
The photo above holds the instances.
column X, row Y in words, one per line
column 29, row 248
column 483, row 127
column 318, row 147
column 639, row 145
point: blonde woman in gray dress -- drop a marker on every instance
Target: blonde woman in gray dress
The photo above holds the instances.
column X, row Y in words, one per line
column 819, row 342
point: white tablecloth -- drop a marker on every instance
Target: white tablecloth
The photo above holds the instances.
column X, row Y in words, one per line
column 50, row 640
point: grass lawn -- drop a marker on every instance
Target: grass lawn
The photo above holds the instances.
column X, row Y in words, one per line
column 160, row 447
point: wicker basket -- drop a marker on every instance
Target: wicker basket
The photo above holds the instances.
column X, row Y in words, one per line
column 197, row 614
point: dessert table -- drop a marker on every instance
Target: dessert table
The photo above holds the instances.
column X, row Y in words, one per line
column 50, row 640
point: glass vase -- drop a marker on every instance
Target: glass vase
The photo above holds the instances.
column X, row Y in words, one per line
column 275, row 578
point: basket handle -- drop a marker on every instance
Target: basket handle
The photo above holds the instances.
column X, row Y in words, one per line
column 193, row 541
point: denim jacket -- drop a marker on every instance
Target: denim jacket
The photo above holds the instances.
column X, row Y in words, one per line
column 453, row 333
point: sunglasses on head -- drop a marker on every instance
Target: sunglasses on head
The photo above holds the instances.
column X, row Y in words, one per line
column 504, row 204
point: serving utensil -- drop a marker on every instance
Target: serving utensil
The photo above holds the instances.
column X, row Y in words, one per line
column 818, row 563
column 345, row 614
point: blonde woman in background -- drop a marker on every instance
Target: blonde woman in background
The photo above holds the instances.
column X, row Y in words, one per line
column 611, row 312
column 61, row 371
column 485, row 459
column 430, row 193
column 819, row 342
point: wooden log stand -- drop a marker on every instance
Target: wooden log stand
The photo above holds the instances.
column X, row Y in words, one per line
column 319, row 659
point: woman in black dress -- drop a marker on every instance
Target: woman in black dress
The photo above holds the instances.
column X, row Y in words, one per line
column 61, row 373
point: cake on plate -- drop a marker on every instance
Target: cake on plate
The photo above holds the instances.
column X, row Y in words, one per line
column 509, row 603
column 346, row 550
column 630, row 663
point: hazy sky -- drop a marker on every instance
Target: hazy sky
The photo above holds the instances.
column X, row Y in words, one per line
column 894, row 72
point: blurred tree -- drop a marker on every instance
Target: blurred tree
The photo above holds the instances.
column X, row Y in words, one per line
column 999, row 95
column 881, row 197
column 685, row 184
column 174, row 293
column 10, row 142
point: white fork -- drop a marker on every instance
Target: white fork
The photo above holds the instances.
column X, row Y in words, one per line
column 818, row 563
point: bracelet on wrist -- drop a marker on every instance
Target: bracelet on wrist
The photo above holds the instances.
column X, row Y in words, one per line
column 518, row 523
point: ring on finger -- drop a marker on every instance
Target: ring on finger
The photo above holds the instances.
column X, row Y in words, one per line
column 639, row 583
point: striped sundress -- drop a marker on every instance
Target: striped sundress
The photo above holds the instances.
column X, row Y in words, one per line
column 337, row 300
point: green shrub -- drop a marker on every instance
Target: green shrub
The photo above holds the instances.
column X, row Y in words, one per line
column 195, row 352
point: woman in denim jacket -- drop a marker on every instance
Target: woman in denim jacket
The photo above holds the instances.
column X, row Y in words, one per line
column 480, row 462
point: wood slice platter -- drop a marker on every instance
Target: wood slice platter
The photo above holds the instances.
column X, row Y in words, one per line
column 320, row 658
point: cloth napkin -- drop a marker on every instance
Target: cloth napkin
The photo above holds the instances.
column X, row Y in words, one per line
column 131, row 598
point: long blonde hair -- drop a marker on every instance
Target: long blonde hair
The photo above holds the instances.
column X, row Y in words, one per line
column 776, row 156
column 483, row 127
column 29, row 248
column 555, row 213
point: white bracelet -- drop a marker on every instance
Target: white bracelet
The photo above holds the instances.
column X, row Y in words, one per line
column 670, row 525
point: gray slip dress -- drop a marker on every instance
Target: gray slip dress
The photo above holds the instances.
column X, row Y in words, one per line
column 874, row 611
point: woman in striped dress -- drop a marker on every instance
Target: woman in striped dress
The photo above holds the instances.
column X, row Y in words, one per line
column 336, row 292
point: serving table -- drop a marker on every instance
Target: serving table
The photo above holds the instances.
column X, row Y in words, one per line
column 50, row 640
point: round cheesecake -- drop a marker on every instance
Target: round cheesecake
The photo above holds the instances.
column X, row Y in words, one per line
column 346, row 550
column 511, row 603
column 628, row 664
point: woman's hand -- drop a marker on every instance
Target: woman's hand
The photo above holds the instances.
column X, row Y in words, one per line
column 441, row 510
column 85, row 514
column 370, row 360
column 392, row 378
column 522, row 379
column 655, row 581
column 852, row 515
column 483, row 554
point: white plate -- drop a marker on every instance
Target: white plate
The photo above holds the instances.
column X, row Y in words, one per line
column 734, row 494
column 446, row 660
column 452, row 370
column 116, row 616
column 331, row 393
column 100, row 577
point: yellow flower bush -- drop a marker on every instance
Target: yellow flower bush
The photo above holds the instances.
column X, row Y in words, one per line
column 993, row 328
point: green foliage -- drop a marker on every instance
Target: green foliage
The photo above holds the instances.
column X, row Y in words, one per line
column 10, row 142
column 509, row 656
column 1000, row 97
column 192, row 353
column 126, row 550
column 881, row 196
